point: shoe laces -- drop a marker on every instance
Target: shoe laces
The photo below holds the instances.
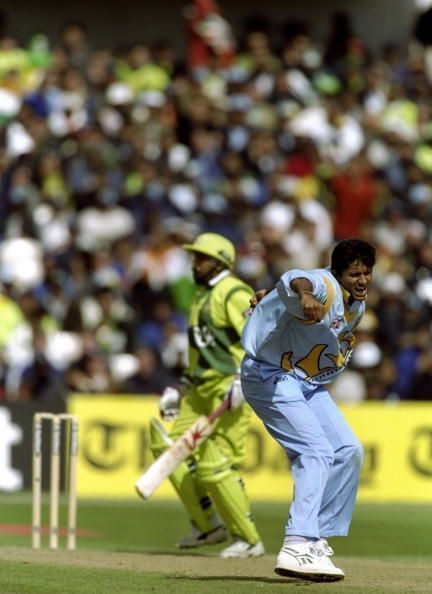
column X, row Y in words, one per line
column 309, row 547
column 327, row 550
column 324, row 548
column 317, row 551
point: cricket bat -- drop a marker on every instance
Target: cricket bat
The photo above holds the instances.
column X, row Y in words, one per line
column 183, row 447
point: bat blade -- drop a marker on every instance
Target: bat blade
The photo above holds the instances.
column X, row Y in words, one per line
column 183, row 447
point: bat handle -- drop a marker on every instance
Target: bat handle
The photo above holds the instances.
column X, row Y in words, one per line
column 220, row 409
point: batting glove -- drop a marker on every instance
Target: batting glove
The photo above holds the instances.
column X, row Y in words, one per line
column 235, row 394
column 169, row 404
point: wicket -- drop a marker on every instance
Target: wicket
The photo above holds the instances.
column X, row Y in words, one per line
column 70, row 459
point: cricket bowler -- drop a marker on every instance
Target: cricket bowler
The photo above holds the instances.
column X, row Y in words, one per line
column 299, row 337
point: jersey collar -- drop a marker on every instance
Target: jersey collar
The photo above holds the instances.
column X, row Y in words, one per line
column 216, row 279
column 346, row 296
column 348, row 300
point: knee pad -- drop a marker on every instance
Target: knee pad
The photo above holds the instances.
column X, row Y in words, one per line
column 212, row 465
column 197, row 503
column 230, row 499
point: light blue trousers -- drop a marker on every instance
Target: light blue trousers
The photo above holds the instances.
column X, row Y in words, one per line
column 325, row 455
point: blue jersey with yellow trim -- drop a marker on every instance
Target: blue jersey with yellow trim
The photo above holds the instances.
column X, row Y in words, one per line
column 277, row 332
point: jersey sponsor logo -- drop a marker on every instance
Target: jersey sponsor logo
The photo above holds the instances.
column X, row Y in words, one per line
column 281, row 378
column 203, row 336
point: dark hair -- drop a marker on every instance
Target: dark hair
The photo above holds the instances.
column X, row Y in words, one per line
column 352, row 250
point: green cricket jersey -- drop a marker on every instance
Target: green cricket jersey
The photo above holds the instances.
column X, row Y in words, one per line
column 216, row 322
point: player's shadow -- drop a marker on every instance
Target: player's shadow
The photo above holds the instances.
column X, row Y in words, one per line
column 183, row 553
column 241, row 578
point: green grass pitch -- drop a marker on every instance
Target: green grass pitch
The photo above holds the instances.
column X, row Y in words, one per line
column 128, row 546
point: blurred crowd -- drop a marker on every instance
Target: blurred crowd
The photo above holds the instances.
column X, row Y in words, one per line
column 111, row 158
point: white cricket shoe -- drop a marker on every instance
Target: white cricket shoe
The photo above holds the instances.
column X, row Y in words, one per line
column 306, row 560
column 241, row 549
column 196, row 538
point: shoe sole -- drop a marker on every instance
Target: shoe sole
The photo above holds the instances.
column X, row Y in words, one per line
column 311, row 577
column 200, row 544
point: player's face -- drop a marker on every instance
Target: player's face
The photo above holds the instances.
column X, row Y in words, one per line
column 204, row 268
column 356, row 279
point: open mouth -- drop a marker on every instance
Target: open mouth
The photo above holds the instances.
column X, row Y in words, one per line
column 360, row 292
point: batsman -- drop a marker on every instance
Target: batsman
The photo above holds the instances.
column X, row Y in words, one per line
column 209, row 483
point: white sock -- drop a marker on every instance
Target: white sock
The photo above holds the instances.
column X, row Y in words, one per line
column 294, row 539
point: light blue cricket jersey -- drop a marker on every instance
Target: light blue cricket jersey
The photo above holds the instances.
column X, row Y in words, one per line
column 278, row 334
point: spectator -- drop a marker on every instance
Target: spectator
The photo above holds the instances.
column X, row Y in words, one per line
column 91, row 374
column 150, row 378
column 355, row 196
column 112, row 157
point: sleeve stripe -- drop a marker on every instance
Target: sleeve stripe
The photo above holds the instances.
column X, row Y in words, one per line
column 330, row 295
